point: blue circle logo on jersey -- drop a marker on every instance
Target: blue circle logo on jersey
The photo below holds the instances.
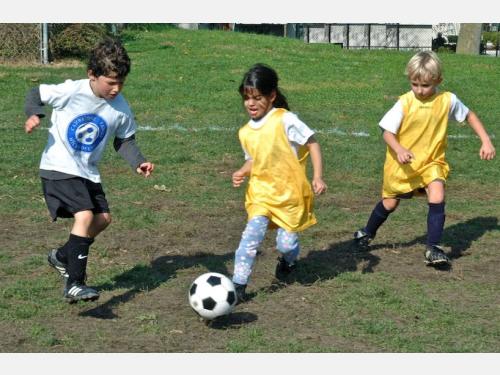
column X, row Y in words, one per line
column 85, row 132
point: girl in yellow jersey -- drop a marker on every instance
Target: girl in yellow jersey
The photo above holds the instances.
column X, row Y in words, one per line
column 276, row 145
column 415, row 131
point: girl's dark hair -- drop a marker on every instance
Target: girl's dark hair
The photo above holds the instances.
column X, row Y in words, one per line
column 265, row 79
column 109, row 58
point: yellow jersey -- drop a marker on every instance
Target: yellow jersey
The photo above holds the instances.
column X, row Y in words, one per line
column 423, row 131
column 278, row 187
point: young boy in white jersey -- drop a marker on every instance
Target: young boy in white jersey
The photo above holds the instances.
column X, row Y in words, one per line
column 415, row 131
column 276, row 144
column 85, row 115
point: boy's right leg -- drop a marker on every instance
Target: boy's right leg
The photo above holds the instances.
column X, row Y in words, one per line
column 244, row 257
column 77, row 255
column 379, row 215
column 78, row 198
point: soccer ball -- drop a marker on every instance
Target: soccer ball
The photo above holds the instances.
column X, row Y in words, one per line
column 212, row 295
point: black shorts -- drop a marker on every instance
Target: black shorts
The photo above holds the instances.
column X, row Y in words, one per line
column 66, row 197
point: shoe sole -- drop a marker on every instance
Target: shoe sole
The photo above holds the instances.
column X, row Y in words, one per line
column 72, row 300
column 362, row 245
column 437, row 262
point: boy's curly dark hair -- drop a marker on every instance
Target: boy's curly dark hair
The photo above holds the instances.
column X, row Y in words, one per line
column 109, row 58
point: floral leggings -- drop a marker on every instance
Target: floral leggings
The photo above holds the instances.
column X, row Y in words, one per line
column 252, row 237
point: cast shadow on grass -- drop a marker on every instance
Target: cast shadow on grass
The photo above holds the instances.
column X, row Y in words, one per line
column 346, row 257
column 325, row 264
column 233, row 320
column 145, row 278
column 459, row 237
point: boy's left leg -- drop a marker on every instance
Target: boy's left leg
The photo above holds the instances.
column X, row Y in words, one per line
column 434, row 254
column 99, row 223
column 288, row 245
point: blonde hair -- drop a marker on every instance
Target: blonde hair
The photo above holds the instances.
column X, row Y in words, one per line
column 425, row 66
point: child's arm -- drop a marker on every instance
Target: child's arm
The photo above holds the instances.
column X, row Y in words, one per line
column 318, row 184
column 404, row 156
column 33, row 107
column 128, row 149
column 487, row 150
column 240, row 175
column 31, row 123
column 145, row 169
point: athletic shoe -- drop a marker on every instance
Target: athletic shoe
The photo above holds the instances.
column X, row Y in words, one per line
column 283, row 269
column 57, row 264
column 362, row 239
column 78, row 291
column 241, row 295
column 434, row 255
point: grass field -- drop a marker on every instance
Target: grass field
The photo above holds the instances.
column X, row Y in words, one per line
column 188, row 219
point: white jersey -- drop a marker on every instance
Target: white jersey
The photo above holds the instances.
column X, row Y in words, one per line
column 81, row 125
column 296, row 131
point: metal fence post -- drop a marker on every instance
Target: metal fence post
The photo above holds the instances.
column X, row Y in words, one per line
column 369, row 35
column 45, row 43
column 397, row 36
column 347, row 35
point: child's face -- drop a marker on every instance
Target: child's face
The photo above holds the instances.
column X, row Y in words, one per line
column 257, row 104
column 106, row 87
column 423, row 88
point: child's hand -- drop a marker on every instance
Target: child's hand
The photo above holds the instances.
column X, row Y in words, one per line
column 318, row 185
column 487, row 151
column 405, row 156
column 238, row 178
column 31, row 123
column 145, row 169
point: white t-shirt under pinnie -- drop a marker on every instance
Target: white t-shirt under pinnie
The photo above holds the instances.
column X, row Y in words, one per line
column 81, row 125
column 297, row 132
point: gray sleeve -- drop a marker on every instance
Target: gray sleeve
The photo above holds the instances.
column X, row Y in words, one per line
column 33, row 104
column 128, row 149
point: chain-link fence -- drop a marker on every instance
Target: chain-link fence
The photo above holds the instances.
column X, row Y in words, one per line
column 20, row 42
column 41, row 43
column 442, row 37
column 370, row 36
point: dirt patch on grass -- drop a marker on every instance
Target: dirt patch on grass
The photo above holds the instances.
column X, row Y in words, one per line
column 145, row 275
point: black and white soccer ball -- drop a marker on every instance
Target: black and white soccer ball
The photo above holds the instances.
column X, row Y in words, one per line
column 212, row 295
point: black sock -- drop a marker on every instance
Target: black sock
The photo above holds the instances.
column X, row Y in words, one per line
column 378, row 216
column 62, row 252
column 435, row 223
column 77, row 251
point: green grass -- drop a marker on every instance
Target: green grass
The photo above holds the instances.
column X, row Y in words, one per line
column 187, row 218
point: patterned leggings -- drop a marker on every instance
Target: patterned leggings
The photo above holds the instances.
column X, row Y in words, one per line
column 252, row 237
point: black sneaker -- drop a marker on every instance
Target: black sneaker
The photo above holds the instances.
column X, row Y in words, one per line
column 241, row 295
column 435, row 255
column 284, row 269
column 78, row 291
column 362, row 239
column 57, row 264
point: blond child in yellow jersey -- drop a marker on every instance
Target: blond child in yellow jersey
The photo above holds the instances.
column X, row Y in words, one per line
column 276, row 145
column 415, row 131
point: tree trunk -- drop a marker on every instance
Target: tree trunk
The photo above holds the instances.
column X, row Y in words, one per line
column 469, row 38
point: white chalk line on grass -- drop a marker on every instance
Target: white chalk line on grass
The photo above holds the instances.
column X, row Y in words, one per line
column 229, row 129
